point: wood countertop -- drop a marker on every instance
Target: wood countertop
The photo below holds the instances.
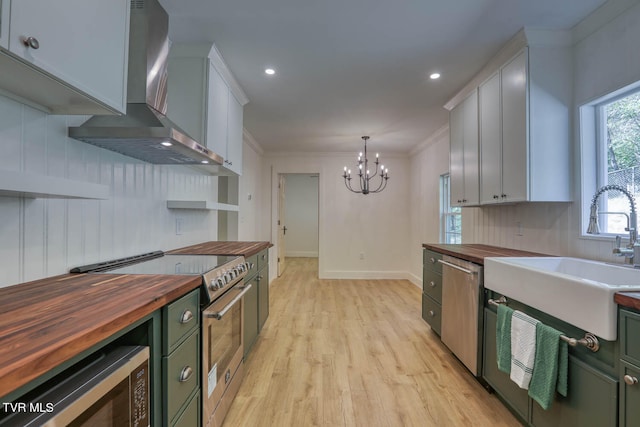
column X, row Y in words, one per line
column 245, row 249
column 477, row 253
column 47, row 322
column 628, row 299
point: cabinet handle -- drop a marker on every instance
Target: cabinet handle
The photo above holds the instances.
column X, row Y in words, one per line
column 264, row 257
column 495, row 196
column 185, row 374
column 459, row 201
column 503, row 195
column 432, row 284
column 464, row 200
column 31, row 42
column 630, row 380
column 432, row 313
column 186, row 317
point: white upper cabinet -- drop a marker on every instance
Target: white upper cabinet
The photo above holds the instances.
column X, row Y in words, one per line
column 463, row 166
column 524, row 129
column 67, row 56
column 206, row 101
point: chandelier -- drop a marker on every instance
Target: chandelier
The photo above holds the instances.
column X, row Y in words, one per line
column 364, row 174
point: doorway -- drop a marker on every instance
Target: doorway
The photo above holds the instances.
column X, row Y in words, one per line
column 298, row 221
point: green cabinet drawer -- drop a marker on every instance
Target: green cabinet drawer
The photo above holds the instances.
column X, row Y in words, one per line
column 629, row 396
column 263, row 258
column 250, row 304
column 191, row 415
column 179, row 319
column 432, row 285
column 430, row 261
column 629, row 333
column 253, row 266
column 516, row 397
column 181, row 371
column 431, row 313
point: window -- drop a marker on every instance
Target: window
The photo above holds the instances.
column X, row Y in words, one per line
column 450, row 218
column 618, row 156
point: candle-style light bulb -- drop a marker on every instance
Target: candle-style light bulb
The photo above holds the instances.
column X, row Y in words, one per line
column 377, row 155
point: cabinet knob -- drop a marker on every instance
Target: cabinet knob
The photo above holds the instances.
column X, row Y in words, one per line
column 185, row 374
column 31, row 42
column 432, row 284
column 495, row 196
column 630, row 380
column 503, row 195
column 433, row 260
column 459, row 201
column 432, row 313
column 464, row 200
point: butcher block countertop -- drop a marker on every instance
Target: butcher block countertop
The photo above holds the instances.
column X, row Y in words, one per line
column 477, row 253
column 49, row 321
column 245, row 249
column 628, row 299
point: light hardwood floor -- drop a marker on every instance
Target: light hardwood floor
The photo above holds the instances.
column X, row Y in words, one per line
column 354, row 353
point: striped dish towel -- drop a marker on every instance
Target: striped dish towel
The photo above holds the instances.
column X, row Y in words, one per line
column 523, row 348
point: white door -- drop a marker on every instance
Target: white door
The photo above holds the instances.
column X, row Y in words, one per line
column 282, row 228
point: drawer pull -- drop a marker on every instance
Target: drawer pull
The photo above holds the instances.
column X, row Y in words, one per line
column 432, row 284
column 187, row 316
column 185, row 374
column 432, row 313
column 630, row 380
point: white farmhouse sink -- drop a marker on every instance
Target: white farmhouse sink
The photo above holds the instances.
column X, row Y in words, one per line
column 578, row 291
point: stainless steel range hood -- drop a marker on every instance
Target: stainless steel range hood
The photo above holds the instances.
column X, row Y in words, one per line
column 145, row 133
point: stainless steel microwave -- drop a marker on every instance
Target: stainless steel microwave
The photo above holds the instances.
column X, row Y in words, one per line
column 110, row 391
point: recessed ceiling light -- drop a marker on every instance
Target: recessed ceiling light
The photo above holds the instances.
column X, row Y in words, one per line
column 270, row 71
column 434, row 76
column 166, row 144
column 206, row 162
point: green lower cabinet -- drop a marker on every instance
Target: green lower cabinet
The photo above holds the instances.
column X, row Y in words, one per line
column 432, row 313
column 592, row 397
column 181, row 370
column 629, row 395
column 191, row 415
column 514, row 396
column 592, row 400
column 250, row 302
column 263, row 296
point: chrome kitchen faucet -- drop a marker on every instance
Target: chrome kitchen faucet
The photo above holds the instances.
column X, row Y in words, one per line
column 631, row 252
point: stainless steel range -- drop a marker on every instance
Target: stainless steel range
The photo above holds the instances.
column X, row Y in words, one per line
column 222, row 317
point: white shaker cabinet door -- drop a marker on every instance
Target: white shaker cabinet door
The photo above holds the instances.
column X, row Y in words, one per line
column 515, row 164
column 82, row 42
column 490, row 141
column 471, row 167
column 234, row 137
column 217, row 113
column 456, row 154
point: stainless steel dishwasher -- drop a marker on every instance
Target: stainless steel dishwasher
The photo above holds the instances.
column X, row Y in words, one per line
column 461, row 314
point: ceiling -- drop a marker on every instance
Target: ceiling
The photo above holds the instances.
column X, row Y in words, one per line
column 347, row 68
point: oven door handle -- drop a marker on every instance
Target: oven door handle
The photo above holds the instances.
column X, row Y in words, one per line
column 218, row 314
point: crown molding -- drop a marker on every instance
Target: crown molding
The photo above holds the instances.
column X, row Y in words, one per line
column 251, row 141
column 432, row 139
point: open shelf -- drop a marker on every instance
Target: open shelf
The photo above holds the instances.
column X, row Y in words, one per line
column 201, row 205
column 35, row 186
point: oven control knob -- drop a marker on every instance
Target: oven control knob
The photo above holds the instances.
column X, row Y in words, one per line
column 236, row 272
column 241, row 268
column 213, row 285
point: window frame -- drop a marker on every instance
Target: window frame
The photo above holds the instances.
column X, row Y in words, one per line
column 446, row 211
column 593, row 155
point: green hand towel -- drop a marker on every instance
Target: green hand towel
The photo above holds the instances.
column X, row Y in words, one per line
column 503, row 338
column 550, row 366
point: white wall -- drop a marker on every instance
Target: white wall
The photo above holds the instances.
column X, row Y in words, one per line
column 375, row 225
column 301, row 215
column 251, row 194
column 428, row 162
column 46, row 237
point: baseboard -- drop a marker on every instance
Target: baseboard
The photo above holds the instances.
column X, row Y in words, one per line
column 301, row 254
column 414, row 279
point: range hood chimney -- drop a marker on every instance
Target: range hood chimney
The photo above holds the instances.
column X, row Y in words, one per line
column 145, row 133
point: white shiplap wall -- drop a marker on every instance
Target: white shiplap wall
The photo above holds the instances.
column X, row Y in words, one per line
column 45, row 237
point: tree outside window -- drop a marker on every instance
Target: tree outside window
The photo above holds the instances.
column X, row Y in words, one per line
column 450, row 217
